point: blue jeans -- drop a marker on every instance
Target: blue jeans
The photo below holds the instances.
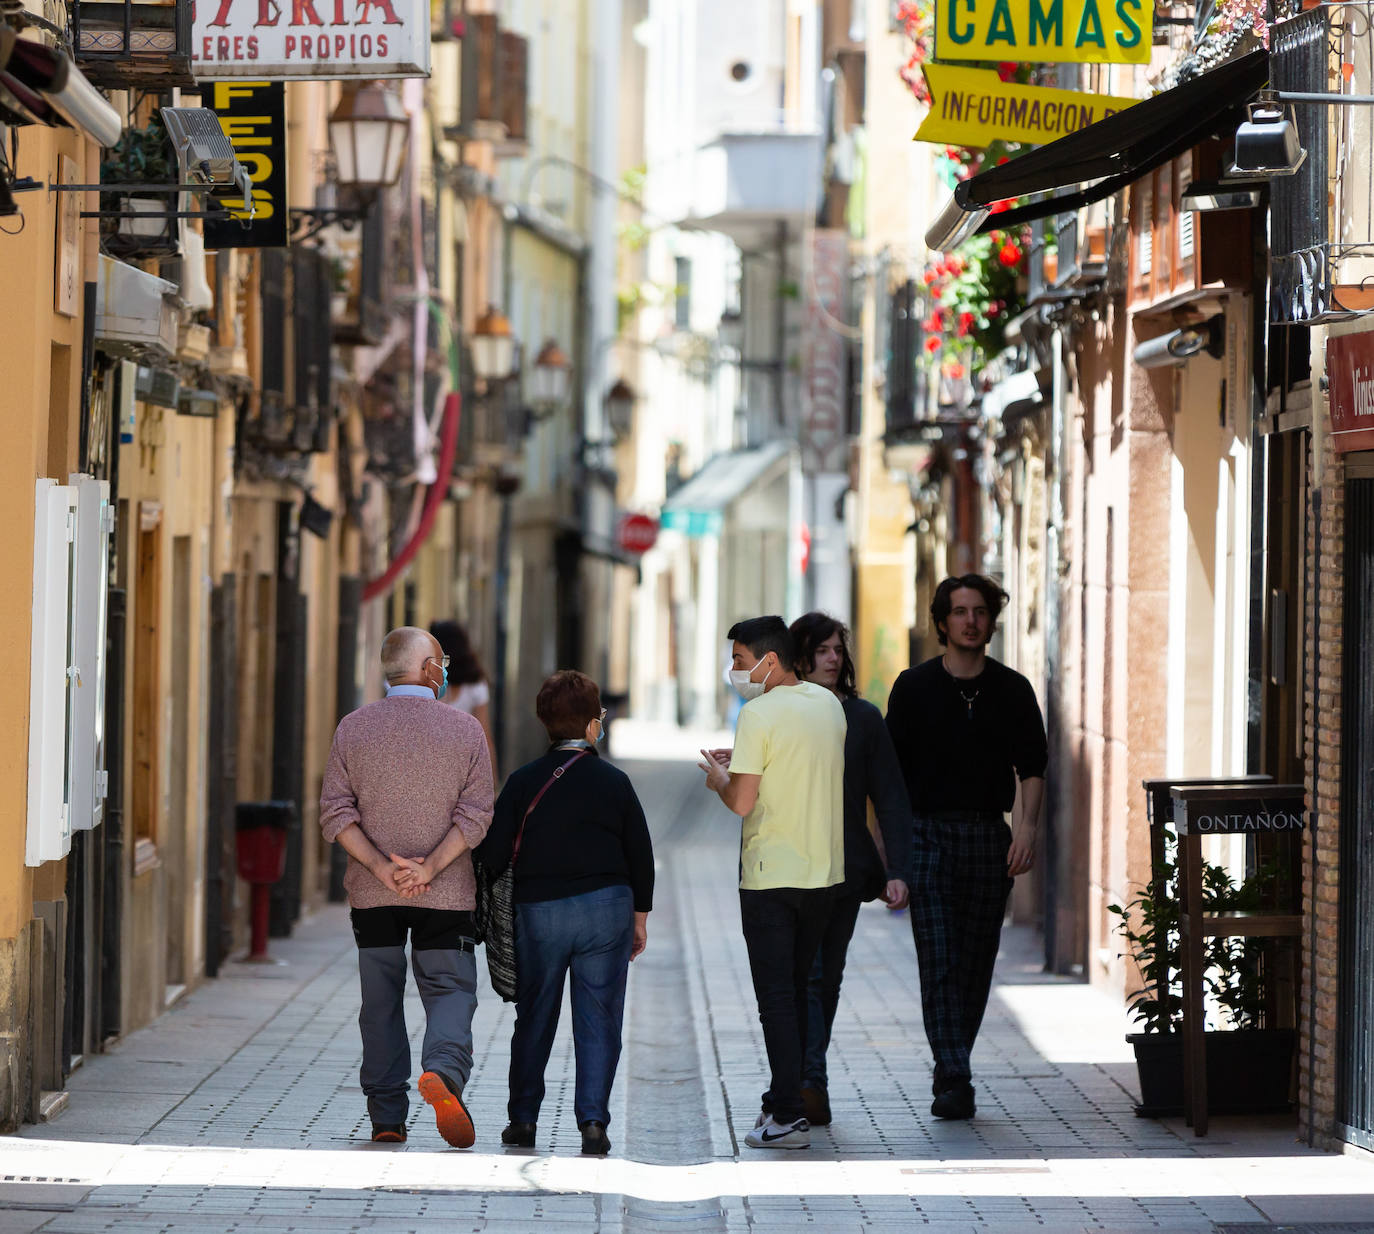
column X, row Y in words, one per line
column 588, row 936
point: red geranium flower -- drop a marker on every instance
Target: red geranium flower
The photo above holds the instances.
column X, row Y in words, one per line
column 933, row 343
column 1009, row 255
column 1007, row 70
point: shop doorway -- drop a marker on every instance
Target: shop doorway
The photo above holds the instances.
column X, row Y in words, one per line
column 1355, row 1092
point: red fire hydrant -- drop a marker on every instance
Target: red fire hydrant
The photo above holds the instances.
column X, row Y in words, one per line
column 260, row 829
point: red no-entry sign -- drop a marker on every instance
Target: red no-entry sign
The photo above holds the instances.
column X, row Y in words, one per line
column 637, row 533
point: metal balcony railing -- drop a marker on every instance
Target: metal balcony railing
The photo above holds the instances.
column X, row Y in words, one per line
column 145, row 44
column 1322, row 217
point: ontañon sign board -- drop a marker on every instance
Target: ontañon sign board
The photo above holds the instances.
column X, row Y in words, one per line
column 1049, row 31
column 325, row 40
column 974, row 107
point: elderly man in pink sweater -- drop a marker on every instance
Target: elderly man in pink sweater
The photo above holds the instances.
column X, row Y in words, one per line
column 408, row 793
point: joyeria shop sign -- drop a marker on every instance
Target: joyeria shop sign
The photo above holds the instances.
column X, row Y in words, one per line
column 273, row 40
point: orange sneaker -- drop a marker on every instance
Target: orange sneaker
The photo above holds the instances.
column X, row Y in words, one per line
column 451, row 1115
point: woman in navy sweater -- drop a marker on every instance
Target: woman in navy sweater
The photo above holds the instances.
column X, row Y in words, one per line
column 584, row 885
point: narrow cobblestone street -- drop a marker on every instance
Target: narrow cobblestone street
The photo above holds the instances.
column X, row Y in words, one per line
column 239, row 1109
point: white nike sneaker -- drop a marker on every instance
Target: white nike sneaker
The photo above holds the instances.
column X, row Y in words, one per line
column 773, row 1134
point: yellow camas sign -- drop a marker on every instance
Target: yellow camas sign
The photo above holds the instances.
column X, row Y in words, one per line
column 1084, row 31
column 974, row 107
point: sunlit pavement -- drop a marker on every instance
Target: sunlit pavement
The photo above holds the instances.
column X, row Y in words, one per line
column 239, row 1109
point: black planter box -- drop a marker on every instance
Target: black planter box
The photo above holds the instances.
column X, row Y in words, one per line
column 1248, row 1072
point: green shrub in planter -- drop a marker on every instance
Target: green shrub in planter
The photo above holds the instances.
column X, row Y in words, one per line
column 141, row 156
column 1249, row 1064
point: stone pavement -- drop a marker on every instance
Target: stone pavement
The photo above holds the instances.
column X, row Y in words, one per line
column 239, row 1110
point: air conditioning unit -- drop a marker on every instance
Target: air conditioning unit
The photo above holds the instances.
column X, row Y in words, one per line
column 135, row 312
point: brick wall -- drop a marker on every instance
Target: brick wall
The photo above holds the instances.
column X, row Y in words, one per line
column 1324, row 619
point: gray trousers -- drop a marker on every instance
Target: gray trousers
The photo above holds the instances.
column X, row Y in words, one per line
column 441, row 955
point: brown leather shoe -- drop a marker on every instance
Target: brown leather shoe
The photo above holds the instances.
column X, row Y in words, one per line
column 816, row 1102
column 451, row 1115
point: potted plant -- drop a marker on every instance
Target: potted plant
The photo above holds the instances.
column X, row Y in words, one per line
column 141, row 156
column 1249, row 1063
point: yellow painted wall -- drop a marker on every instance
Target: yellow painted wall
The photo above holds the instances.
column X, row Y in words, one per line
column 40, row 359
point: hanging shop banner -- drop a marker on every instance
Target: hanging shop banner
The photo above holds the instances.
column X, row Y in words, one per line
column 1350, row 374
column 825, row 380
column 1044, row 31
column 325, row 40
column 253, row 116
column 975, row 107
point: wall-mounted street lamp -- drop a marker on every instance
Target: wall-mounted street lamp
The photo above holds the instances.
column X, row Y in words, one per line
column 1267, row 143
column 619, row 405
column 367, row 134
column 549, row 387
column 493, row 347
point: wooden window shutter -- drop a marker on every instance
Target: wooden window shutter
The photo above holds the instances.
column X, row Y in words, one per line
column 515, row 57
column 484, row 31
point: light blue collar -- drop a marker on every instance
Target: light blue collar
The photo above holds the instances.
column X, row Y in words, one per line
column 409, row 691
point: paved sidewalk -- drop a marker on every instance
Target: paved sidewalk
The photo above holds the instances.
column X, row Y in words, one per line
column 239, row 1109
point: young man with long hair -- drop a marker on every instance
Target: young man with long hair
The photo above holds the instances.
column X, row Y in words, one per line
column 966, row 729
column 871, row 773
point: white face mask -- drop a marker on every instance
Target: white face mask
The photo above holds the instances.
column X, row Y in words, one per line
column 741, row 679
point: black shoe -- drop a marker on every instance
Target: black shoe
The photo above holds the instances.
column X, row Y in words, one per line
column 594, row 1141
column 518, row 1135
column 816, row 1102
column 955, row 1102
column 388, row 1133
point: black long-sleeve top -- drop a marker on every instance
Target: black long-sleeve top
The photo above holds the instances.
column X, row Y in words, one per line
column 587, row 832
column 963, row 742
column 871, row 772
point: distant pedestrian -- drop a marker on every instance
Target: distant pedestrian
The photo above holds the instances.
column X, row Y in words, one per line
column 966, row 729
column 467, row 680
column 407, row 792
column 871, row 773
column 785, row 779
column 584, row 886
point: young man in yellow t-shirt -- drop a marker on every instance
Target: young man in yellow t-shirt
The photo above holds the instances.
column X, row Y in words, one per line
column 785, row 779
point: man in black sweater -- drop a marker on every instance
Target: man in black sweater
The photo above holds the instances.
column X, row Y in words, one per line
column 966, row 728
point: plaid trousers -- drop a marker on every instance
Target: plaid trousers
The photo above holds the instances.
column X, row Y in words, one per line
column 959, row 890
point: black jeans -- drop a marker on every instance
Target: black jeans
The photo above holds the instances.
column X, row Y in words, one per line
column 824, row 986
column 782, row 931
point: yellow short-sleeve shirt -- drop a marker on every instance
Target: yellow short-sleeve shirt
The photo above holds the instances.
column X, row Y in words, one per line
column 793, row 739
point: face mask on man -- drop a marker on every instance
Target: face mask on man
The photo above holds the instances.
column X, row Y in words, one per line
column 442, row 688
column 742, row 680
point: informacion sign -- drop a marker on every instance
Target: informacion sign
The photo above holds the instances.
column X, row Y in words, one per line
column 975, row 107
column 325, row 40
column 253, row 116
column 1045, row 31
column 1350, row 373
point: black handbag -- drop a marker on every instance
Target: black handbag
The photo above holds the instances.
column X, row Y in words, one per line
column 494, row 917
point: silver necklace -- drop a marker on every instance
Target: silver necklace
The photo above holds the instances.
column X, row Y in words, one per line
column 968, row 698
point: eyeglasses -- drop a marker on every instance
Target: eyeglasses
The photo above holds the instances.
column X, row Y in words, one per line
column 601, row 719
column 442, row 661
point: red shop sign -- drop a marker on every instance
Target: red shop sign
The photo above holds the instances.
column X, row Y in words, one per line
column 1350, row 375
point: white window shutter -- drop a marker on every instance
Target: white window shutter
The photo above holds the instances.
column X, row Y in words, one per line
column 52, row 674
column 94, row 523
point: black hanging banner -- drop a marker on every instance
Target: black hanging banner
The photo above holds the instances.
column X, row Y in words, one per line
column 253, row 115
